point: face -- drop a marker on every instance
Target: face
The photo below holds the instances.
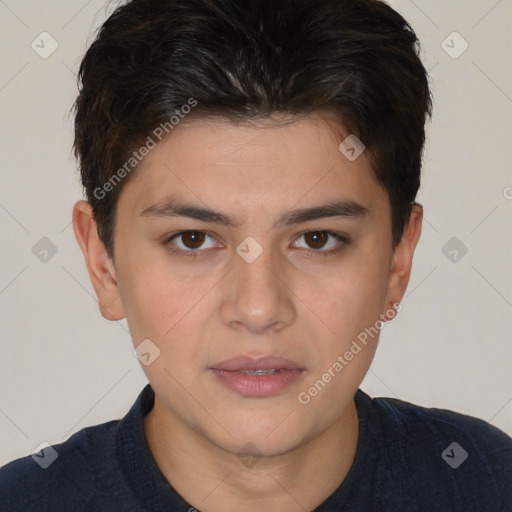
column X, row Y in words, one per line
column 254, row 257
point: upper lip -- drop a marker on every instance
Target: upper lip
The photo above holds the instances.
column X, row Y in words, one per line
column 263, row 363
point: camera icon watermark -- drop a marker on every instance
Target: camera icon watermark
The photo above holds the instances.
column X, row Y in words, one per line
column 454, row 45
column 146, row 352
column 44, row 250
column 44, row 45
column 454, row 249
column 45, row 455
column 249, row 455
column 249, row 249
column 352, row 148
column 454, row 455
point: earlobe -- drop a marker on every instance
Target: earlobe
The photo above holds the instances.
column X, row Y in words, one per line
column 403, row 256
column 99, row 265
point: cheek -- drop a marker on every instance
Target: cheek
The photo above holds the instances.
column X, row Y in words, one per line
column 163, row 305
column 352, row 313
column 158, row 308
column 153, row 299
column 355, row 296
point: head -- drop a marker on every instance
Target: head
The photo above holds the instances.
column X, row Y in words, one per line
column 226, row 214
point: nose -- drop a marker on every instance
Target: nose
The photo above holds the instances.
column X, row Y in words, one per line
column 258, row 297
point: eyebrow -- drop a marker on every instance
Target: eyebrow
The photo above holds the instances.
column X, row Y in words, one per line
column 339, row 208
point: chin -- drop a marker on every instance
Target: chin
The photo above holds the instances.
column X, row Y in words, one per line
column 245, row 439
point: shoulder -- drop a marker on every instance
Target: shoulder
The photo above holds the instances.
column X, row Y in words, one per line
column 485, row 440
column 462, row 460
column 65, row 474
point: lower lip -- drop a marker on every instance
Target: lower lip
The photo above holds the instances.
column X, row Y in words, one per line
column 257, row 385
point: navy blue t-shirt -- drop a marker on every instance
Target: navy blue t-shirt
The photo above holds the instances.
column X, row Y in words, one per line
column 409, row 458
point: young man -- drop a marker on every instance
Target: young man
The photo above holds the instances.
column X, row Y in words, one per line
column 251, row 169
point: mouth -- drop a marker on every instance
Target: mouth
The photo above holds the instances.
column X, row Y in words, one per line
column 260, row 377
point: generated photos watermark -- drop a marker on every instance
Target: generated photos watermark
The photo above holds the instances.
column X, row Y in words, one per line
column 343, row 360
column 157, row 135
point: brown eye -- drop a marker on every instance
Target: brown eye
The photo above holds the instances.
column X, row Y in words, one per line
column 190, row 242
column 193, row 239
column 316, row 239
column 324, row 243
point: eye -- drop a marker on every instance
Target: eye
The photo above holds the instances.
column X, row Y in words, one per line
column 190, row 242
column 323, row 242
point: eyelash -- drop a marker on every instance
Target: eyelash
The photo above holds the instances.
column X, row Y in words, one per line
column 344, row 241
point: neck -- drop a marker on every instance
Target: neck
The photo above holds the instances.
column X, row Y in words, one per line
column 214, row 480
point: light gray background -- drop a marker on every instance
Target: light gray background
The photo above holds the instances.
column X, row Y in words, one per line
column 64, row 367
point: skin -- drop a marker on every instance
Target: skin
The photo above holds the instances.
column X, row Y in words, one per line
column 292, row 301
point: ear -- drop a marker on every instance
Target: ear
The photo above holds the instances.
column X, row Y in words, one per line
column 99, row 265
column 402, row 258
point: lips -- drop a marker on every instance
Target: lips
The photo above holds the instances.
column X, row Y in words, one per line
column 257, row 377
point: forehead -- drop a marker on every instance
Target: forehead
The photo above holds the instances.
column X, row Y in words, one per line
column 268, row 163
